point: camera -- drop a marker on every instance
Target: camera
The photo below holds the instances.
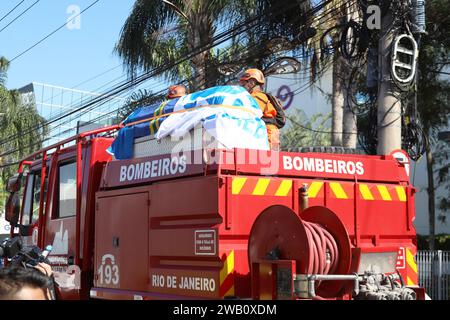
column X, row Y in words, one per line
column 13, row 250
column 9, row 248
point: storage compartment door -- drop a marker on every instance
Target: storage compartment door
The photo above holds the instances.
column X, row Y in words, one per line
column 121, row 242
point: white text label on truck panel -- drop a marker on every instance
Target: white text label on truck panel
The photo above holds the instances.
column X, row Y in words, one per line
column 152, row 169
column 323, row 165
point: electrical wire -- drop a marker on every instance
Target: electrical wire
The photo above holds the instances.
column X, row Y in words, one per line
column 248, row 50
column 23, row 12
column 51, row 33
column 78, row 109
column 11, row 11
column 221, row 38
column 153, row 95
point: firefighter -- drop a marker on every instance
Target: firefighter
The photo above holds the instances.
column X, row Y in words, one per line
column 176, row 91
column 253, row 80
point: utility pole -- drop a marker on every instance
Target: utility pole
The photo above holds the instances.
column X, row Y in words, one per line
column 389, row 106
column 338, row 86
column 350, row 128
column 337, row 102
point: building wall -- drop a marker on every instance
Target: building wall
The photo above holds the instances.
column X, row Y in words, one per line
column 419, row 179
column 52, row 102
column 296, row 93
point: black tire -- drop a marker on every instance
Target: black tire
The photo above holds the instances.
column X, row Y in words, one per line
column 328, row 149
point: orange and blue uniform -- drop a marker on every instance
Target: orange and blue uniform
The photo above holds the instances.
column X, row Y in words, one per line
column 269, row 111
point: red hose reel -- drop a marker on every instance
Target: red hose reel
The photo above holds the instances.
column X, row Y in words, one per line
column 317, row 240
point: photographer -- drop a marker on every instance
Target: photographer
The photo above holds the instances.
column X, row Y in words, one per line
column 28, row 275
column 17, row 283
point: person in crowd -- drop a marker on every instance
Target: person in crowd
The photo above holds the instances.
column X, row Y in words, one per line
column 18, row 283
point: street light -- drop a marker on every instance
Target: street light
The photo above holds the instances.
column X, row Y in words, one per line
column 284, row 65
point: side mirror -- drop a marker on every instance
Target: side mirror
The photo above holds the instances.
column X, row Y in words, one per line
column 14, row 183
column 12, row 209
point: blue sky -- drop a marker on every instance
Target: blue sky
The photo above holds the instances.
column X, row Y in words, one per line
column 69, row 57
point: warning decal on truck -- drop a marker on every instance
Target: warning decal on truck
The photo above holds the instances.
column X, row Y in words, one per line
column 205, row 242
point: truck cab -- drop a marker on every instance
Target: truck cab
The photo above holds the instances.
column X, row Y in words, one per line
column 51, row 201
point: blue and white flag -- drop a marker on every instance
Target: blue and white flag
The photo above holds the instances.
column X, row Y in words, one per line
column 228, row 113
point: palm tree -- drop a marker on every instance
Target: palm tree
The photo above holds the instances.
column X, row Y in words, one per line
column 3, row 69
column 433, row 95
column 328, row 25
column 14, row 118
column 158, row 32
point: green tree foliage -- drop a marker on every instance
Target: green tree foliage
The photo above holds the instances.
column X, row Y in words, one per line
column 442, row 242
column 15, row 117
column 434, row 58
column 434, row 97
column 138, row 99
column 304, row 132
column 442, row 158
column 158, row 33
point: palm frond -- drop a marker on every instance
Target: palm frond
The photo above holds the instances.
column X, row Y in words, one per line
column 4, row 65
column 142, row 30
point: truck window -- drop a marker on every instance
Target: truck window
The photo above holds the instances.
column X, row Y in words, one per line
column 37, row 196
column 32, row 198
column 67, row 174
column 28, row 200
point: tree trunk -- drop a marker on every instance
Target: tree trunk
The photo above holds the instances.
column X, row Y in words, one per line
column 199, row 35
column 431, row 194
column 337, row 103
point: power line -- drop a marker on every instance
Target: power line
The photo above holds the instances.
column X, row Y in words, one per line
column 81, row 83
column 87, row 111
column 9, row 165
column 52, row 33
column 120, row 88
column 439, row 72
column 96, row 77
column 11, row 11
column 23, row 12
column 221, row 38
column 91, row 108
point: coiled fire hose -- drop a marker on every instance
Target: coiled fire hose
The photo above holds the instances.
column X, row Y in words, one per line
column 323, row 249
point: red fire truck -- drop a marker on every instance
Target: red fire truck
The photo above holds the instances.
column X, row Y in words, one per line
column 217, row 223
